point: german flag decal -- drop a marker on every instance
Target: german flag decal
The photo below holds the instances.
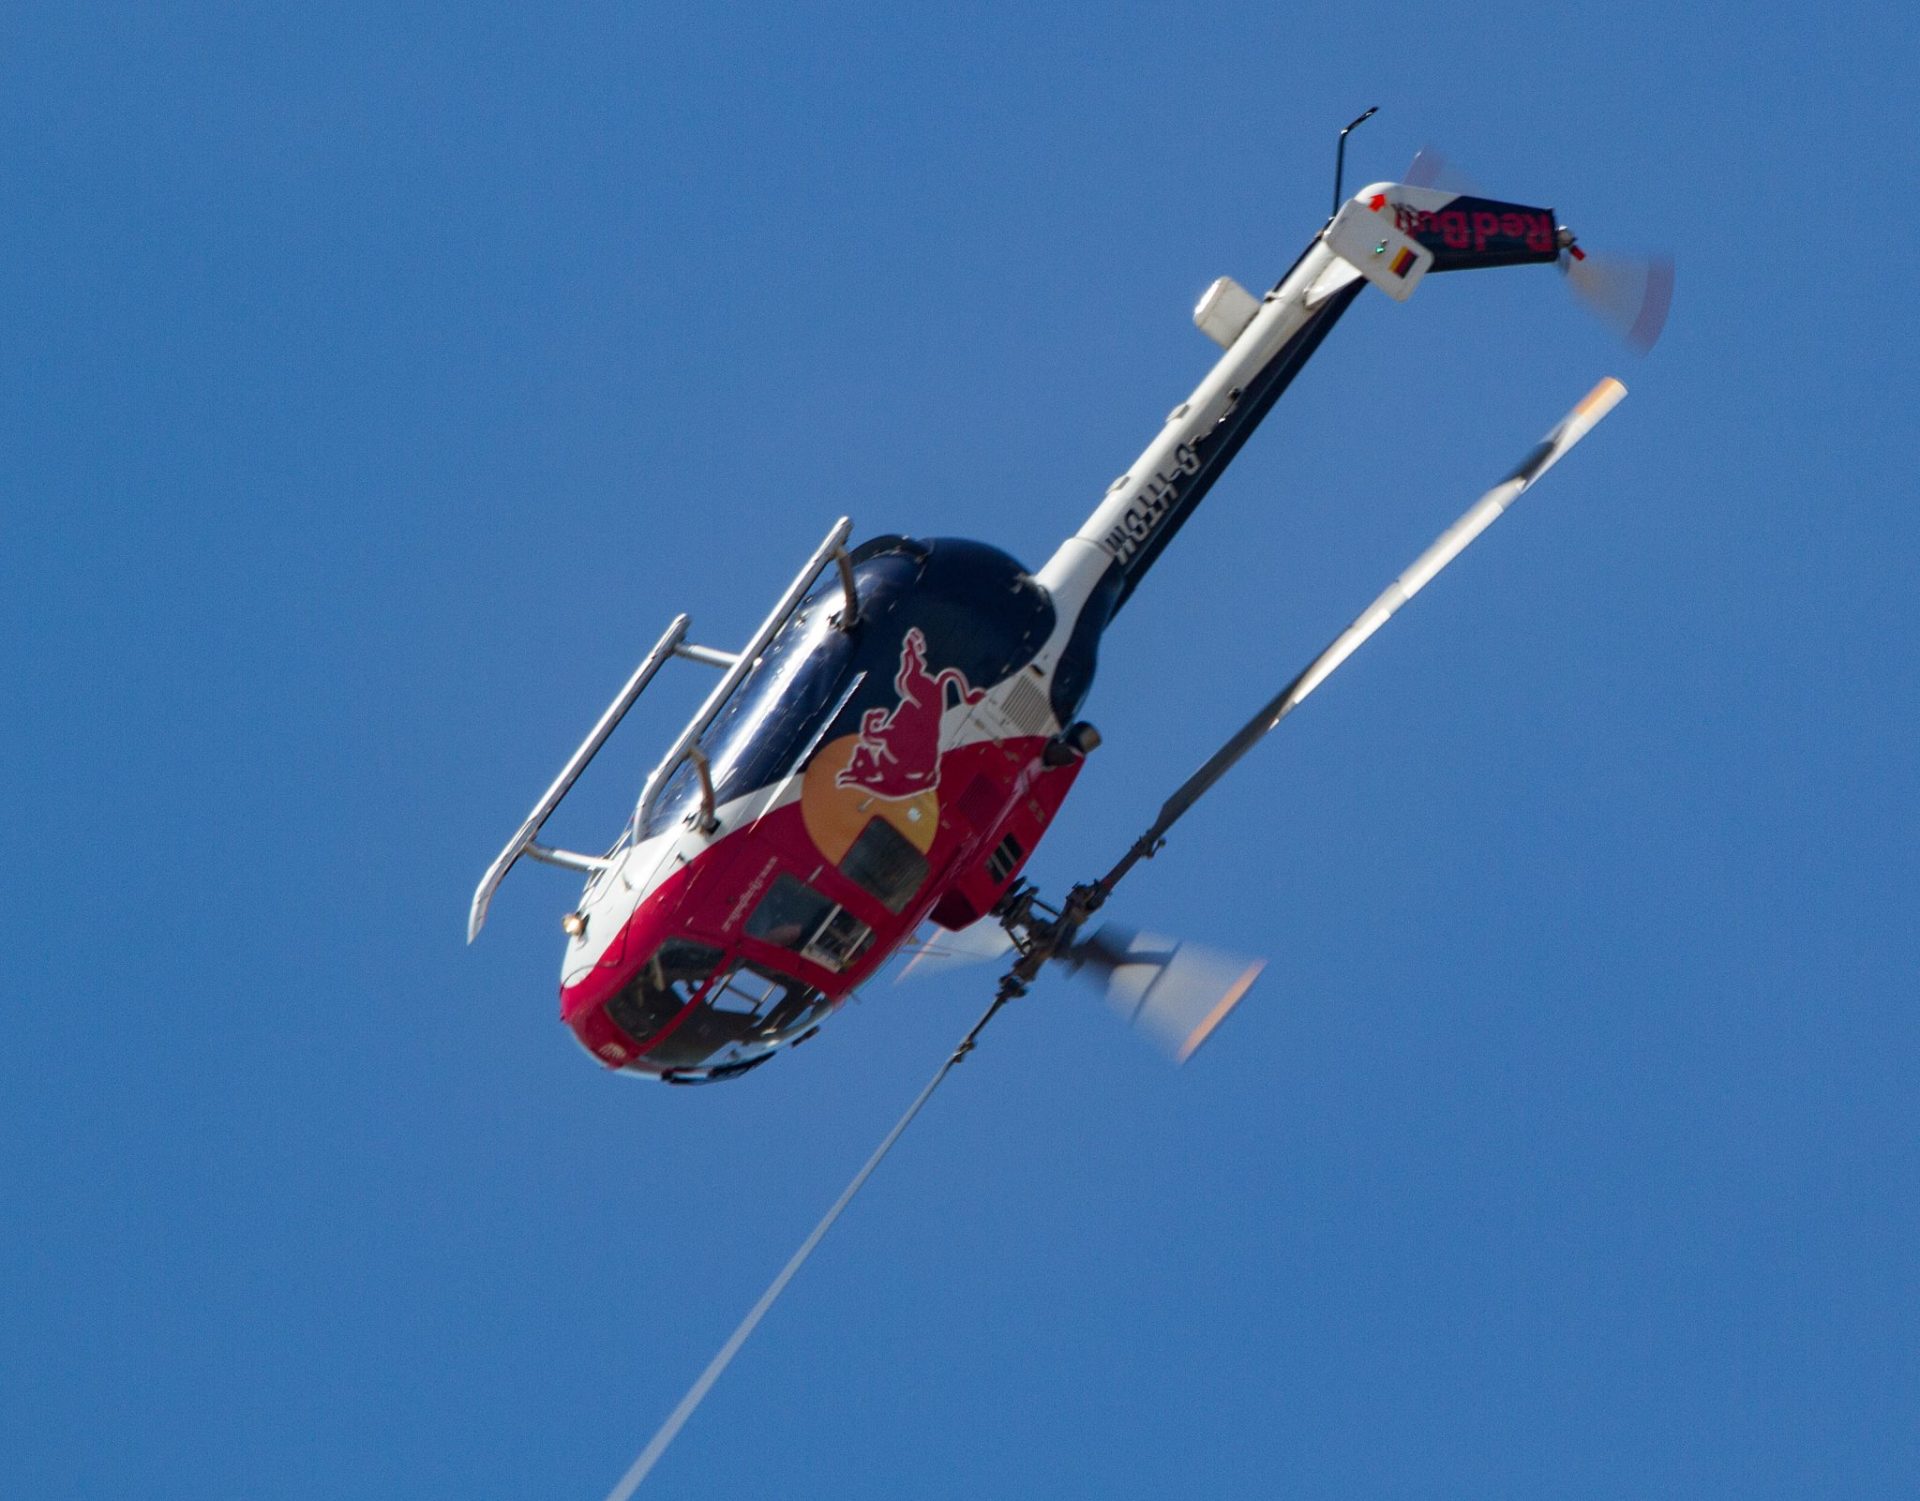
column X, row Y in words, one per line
column 1403, row 262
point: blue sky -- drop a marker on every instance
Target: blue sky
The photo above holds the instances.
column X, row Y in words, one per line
column 379, row 382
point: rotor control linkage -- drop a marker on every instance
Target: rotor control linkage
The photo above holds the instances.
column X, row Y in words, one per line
column 1041, row 932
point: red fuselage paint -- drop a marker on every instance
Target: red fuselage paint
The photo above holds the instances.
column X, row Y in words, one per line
column 860, row 781
column 1002, row 788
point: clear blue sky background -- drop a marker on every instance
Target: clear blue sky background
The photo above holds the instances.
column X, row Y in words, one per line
column 378, row 381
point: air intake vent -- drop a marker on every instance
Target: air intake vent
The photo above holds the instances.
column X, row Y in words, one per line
column 1027, row 707
column 1005, row 857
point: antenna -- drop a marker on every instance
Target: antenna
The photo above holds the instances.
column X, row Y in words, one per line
column 1340, row 156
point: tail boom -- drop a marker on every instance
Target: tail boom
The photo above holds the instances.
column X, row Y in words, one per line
column 1147, row 505
column 1390, row 234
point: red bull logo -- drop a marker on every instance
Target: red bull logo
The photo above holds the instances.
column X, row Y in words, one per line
column 1480, row 228
column 897, row 754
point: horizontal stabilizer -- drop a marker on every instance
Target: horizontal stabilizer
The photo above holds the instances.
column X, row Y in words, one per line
column 1176, row 993
column 1395, row 233
column 1364, row 235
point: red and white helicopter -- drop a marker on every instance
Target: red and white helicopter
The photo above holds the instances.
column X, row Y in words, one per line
column 893, row 742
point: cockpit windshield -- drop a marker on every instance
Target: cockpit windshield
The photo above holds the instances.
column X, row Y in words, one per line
column 768, row 724
column 744, row 1010
column 662, row 988
column 748, row 1010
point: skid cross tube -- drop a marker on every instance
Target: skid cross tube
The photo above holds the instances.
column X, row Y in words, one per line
column 522, row 842
column 706, row 655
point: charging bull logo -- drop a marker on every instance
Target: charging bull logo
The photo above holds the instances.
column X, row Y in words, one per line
column 898, row 753
column 891, row 767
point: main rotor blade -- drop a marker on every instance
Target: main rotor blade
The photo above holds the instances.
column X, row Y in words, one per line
column 677, row 1419
column 1601, row 400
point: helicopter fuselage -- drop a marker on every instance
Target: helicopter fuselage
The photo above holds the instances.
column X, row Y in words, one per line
column 865, row 780
column 895, row 750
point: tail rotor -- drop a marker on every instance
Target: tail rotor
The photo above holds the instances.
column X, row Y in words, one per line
column 1631, row 295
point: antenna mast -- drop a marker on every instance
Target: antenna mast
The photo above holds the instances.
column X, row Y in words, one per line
column 1340, row 156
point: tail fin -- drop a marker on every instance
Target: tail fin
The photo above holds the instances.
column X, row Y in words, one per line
column 1467, row 233
column 1394, row 233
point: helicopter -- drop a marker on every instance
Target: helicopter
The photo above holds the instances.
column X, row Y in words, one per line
column 887, row 750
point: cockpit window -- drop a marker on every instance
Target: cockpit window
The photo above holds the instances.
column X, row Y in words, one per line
column 795, row 916
column 757, row 993
column 664, row 985
column 884, row 864
column 744, row 1014
column 798, row 684
column 789, row 914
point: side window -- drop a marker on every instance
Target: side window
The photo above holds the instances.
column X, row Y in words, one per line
column 789, row 914
column 841, row 940
column 795, row 916
column 885, row 865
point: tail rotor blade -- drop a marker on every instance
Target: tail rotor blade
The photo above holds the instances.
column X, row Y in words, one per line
column 1174, row 993
column 1432, row 168
column 1630, row 294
